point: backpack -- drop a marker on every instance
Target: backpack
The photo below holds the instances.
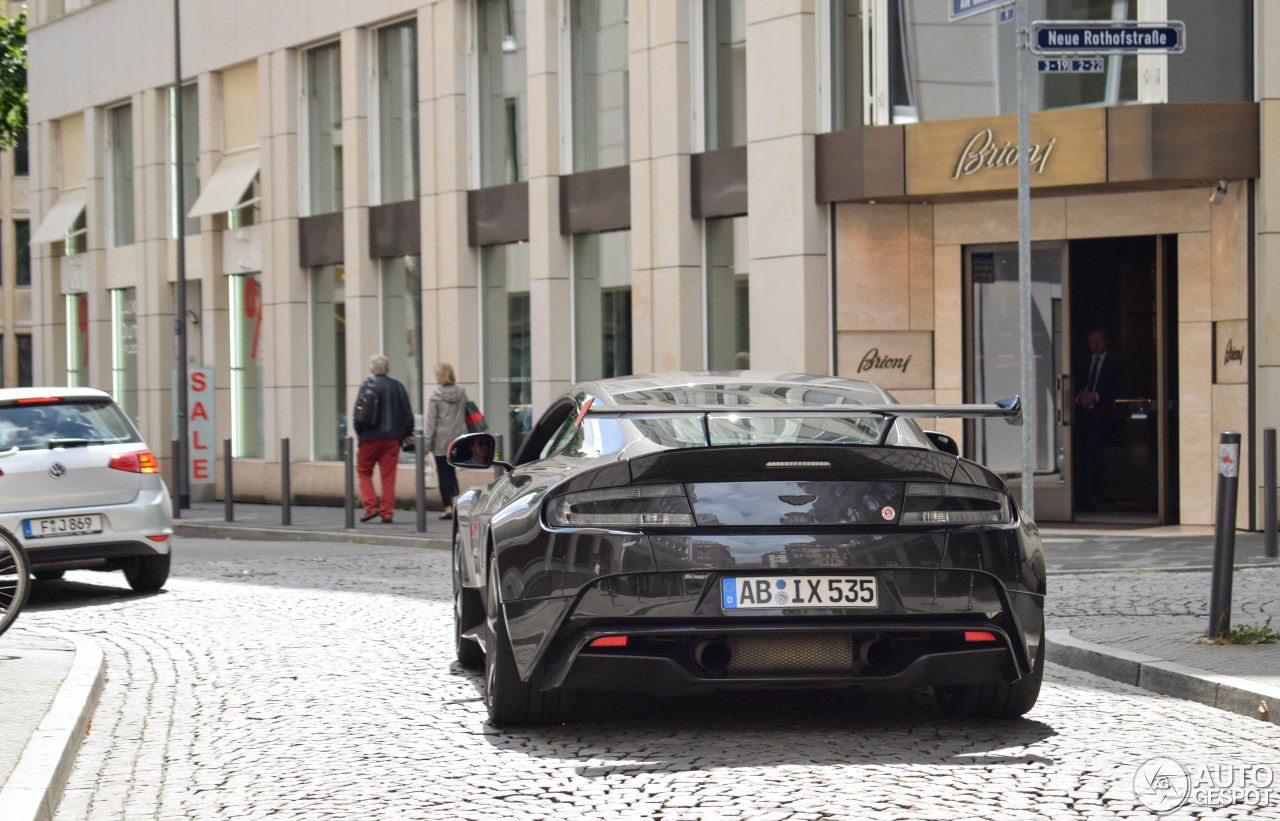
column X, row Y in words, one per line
column 367, row 411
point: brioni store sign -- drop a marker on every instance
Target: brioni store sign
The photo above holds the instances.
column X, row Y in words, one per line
column 981, row 154
column 891, row 359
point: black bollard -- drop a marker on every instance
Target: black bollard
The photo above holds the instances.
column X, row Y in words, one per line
column 420, row 482
column 286, row 495
column 1224, row 533
column 229, row 497
column 1269, row 489
column 349, row 502
column 176, row 498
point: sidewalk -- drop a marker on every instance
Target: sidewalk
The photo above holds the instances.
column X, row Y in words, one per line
column 1126, row 604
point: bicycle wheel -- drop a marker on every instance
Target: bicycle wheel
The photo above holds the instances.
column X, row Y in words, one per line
column 15, row 578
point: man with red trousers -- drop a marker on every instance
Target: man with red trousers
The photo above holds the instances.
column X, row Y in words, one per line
column 380, row 441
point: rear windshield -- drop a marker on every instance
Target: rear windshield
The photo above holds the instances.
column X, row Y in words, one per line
column 34, row 427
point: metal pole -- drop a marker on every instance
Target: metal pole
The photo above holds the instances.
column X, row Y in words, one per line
column 177, row 505
column 286, row 495
column 1224, row 533
column 1269, row 490
column 180, row 324
column 229, row 498
column 420, row 475
column 349, row 503
column 1024, row 266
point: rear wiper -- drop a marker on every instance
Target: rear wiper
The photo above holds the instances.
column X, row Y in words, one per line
column 73, row 443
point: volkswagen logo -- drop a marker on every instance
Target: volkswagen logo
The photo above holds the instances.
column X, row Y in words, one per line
column 57, row 470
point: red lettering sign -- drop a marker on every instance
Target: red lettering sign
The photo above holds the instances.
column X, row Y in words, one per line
column 197, row 382
column 195, row 440
column 200, row 468
column 199, row 412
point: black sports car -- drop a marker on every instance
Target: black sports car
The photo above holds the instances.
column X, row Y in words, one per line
column 680, row 533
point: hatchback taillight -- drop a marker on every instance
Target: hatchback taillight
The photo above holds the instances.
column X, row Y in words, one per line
column 935, row 504
column 140, row 462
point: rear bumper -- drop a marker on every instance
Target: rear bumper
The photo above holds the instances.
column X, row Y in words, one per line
column 125, row 529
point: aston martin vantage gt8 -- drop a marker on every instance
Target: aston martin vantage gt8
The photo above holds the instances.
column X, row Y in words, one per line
column 681, row 533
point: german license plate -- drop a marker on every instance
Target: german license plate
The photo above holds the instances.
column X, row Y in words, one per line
column 748, row 592
column 62, row 526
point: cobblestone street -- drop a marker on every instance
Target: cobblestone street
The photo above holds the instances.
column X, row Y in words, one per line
column 301, row 681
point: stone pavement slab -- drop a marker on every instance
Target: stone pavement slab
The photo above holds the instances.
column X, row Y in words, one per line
column 31, row 671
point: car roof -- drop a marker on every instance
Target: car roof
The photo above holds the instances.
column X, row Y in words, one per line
column 10, row 395
column 612, row 391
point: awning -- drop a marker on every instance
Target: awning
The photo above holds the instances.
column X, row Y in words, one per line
column 225, row 189
column 61, row 216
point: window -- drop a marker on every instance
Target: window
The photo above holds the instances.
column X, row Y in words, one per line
column 845, row 30
column 328, row 362
column 190, row 159
column 124, row 350
column 77, row 324
column 402, row 323
column 502, row 80
column 728, row 328
column 246, row 310
column 508, row 382
column 25, row 376
column 725, row 72
column 21, row 158
column 22, row 250
column 602, row 304
column 398, row 112
column 599, row 54
column 121, row 169
column 323, row 175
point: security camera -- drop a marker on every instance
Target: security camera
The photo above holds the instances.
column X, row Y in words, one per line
column 1219, row 193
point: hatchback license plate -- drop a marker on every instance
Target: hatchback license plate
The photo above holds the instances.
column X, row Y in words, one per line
column 62, row 526
column 748, row 592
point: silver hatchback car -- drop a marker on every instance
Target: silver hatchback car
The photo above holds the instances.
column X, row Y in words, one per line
column 80, row 488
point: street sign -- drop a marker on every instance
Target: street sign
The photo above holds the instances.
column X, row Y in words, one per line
column 960, row 9
column 1006, row 14
column 1083, row 37
column 1067, row 65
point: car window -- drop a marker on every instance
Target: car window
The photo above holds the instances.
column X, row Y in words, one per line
column 769, row 430
column 544, row 431
column 32, row 427
column 557, row 443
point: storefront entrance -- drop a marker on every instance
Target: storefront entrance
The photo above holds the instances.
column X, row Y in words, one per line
column 1106, row 456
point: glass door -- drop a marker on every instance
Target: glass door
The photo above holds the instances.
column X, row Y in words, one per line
column 995, row 351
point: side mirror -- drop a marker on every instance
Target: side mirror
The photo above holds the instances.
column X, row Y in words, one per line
column 943, row 442
column 474, row 451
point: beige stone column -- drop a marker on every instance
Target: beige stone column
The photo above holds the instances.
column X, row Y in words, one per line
column 157, row 344
column 550, row 307
column 1267, row 238
column 92, row 260
column 786, row 242
column 285, row 329
column 667, row 313
column 214, row 330
column 364, row 337
column 45, row 290
column 448, row 263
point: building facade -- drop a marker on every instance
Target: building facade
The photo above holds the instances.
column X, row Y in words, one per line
column 542, row 191
column 16, row 365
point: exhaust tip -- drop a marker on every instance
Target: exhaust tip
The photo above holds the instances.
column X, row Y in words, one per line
column 712, row 656
column 876, row 653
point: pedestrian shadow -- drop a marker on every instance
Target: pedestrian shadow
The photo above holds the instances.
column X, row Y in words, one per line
column 620, row 733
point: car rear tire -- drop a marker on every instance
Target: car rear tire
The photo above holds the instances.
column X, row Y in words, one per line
column 48, row 575
column 994, row 699
column 147, row 573
column 468, row 612
column 512, row 702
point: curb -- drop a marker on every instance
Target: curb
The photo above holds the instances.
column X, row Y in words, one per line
column 35, row 787
column 280, row 534
column 1230, row 693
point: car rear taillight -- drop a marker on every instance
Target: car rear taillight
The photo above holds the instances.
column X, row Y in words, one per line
column 138, row 462
column 635, row 506
column 38, row 400
column 610, row 641
column 977, row 635
column 934, row 504
column 157, row 538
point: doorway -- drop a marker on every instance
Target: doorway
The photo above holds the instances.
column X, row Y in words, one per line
column 1122, row 297
column 1112, row 461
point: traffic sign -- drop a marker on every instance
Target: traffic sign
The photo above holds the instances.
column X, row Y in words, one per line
column 1082, row 37
column 960, row 9
column 1068, row 65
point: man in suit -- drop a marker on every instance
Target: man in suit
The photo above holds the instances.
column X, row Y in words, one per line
column 1100, row 380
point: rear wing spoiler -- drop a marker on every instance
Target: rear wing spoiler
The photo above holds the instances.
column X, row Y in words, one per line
column 1009, row 409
